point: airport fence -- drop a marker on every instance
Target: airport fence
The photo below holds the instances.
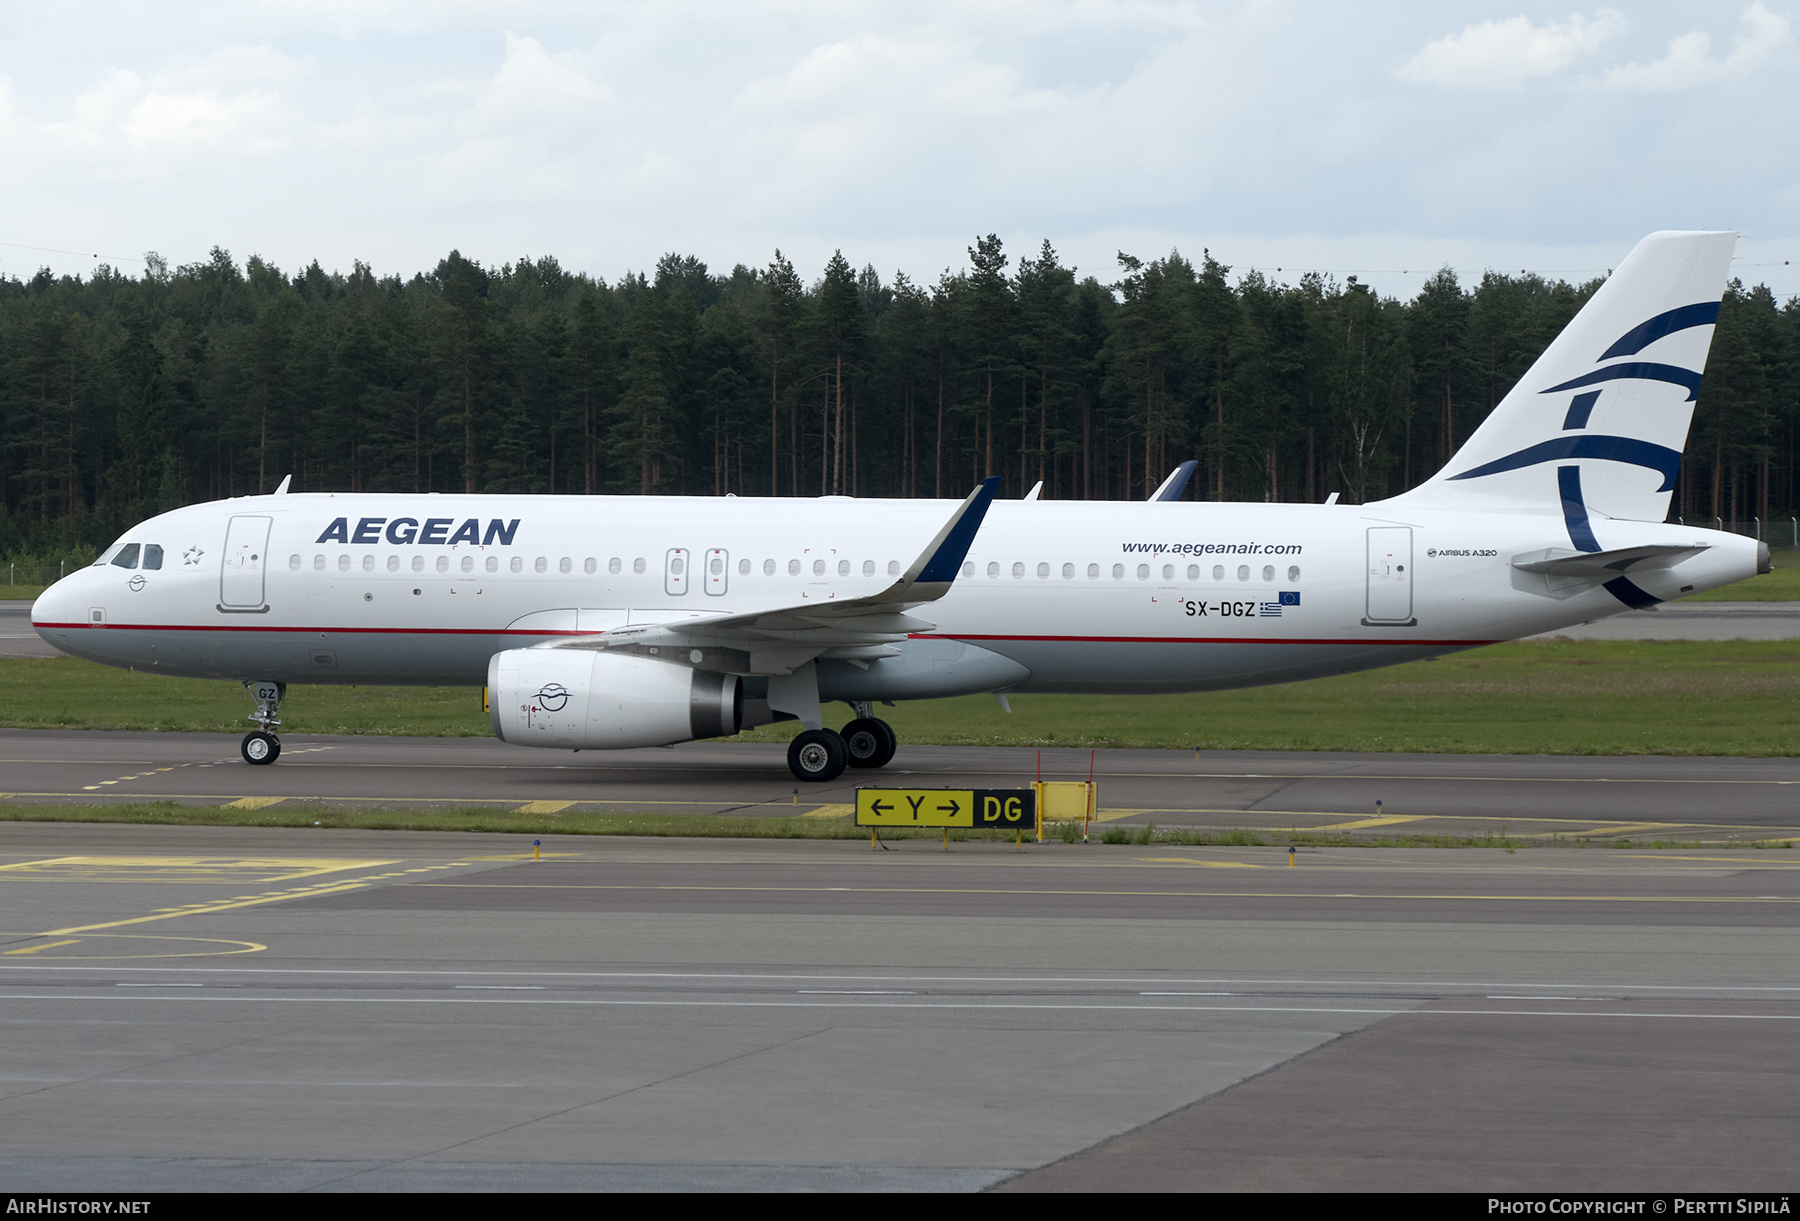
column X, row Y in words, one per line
column 1776, row 531
column 35, row 570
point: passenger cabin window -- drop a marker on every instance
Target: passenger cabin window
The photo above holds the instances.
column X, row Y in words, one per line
column 1093, row 572
column 637, row 565
column 419, row 564
column 613, row 565
column 1294, row 573
column 294, row 563
column 793, row 568
column 518, row 563
column 127, row 557
column 344, row 562
column 1218, row 572
column 993, row 568
column 1118, row 572
column 1193, row 572
column 318, row 563
column 493, row 563
column 1043, row 571
column 818, row 568
column 393, row 563
column 565, row 565
column 1068, row 572
column 893, row 568
column 843, row 568
column 540, row 564
column 868, row 568
column 1143, row 572
column 589, row 565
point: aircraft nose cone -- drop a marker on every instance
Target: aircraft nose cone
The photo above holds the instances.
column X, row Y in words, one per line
column 60, row 604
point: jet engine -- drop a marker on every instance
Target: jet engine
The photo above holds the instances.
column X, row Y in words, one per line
column 575, row 699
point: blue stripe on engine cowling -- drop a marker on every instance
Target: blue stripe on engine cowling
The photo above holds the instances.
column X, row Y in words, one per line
column 1568, row 482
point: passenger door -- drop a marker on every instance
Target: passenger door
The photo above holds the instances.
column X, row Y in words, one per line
column 1390, row 600
column 245, row 563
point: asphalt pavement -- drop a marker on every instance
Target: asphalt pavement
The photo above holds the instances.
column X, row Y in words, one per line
column 295, row 1009
column 1531, row 798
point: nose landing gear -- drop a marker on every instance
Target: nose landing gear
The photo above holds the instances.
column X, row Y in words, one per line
column 261, row 745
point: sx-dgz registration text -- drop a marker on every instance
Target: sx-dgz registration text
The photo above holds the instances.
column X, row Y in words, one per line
column 1222, row 610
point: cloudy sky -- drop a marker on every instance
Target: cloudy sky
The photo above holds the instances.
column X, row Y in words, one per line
column 1380, row 139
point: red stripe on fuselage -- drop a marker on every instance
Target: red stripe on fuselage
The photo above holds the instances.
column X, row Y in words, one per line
column 500, row 631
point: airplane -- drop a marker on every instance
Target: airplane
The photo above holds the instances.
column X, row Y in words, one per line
column 607, row 622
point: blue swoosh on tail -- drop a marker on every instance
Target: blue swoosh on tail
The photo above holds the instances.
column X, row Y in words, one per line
column 1644, row 369
column 1640, row 337
column 1614, row 449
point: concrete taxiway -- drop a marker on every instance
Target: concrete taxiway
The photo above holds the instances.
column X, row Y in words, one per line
column 1524, row 797
column 297, row 1009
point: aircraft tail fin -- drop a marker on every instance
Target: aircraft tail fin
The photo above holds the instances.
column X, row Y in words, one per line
column 1598, row 423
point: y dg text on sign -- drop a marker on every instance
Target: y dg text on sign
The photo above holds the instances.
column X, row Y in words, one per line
column 1006, row 809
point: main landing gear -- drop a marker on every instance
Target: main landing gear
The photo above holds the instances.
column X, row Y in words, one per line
column 821, row 754
column 261, row 745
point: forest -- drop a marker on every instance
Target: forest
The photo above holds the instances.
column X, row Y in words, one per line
column 123, row 396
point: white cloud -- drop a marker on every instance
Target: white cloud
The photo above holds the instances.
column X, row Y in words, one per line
column 609, row 131
column 1507, row 54
column 1688, row 61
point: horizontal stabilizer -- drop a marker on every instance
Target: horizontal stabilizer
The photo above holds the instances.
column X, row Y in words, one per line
column 1603, row 565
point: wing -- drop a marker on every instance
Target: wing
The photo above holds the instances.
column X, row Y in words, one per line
column 780, row 639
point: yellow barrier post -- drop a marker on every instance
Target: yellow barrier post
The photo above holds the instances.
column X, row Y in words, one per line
column 535, row 845
column 1290, row 856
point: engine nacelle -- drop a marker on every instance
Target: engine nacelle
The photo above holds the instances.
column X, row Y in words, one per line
column 575, row 699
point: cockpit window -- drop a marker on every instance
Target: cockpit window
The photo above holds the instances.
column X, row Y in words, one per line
column 152, row 556
column 127, row 557
column 106, row 556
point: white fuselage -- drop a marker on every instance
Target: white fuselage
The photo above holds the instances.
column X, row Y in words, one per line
column 1054, row 596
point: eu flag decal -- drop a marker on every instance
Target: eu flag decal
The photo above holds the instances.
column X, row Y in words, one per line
column 1290, row 597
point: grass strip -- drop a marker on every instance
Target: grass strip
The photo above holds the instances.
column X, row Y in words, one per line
column 1781, row 585
column 471, row 818
column 1590, row 697
column 710, row 826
